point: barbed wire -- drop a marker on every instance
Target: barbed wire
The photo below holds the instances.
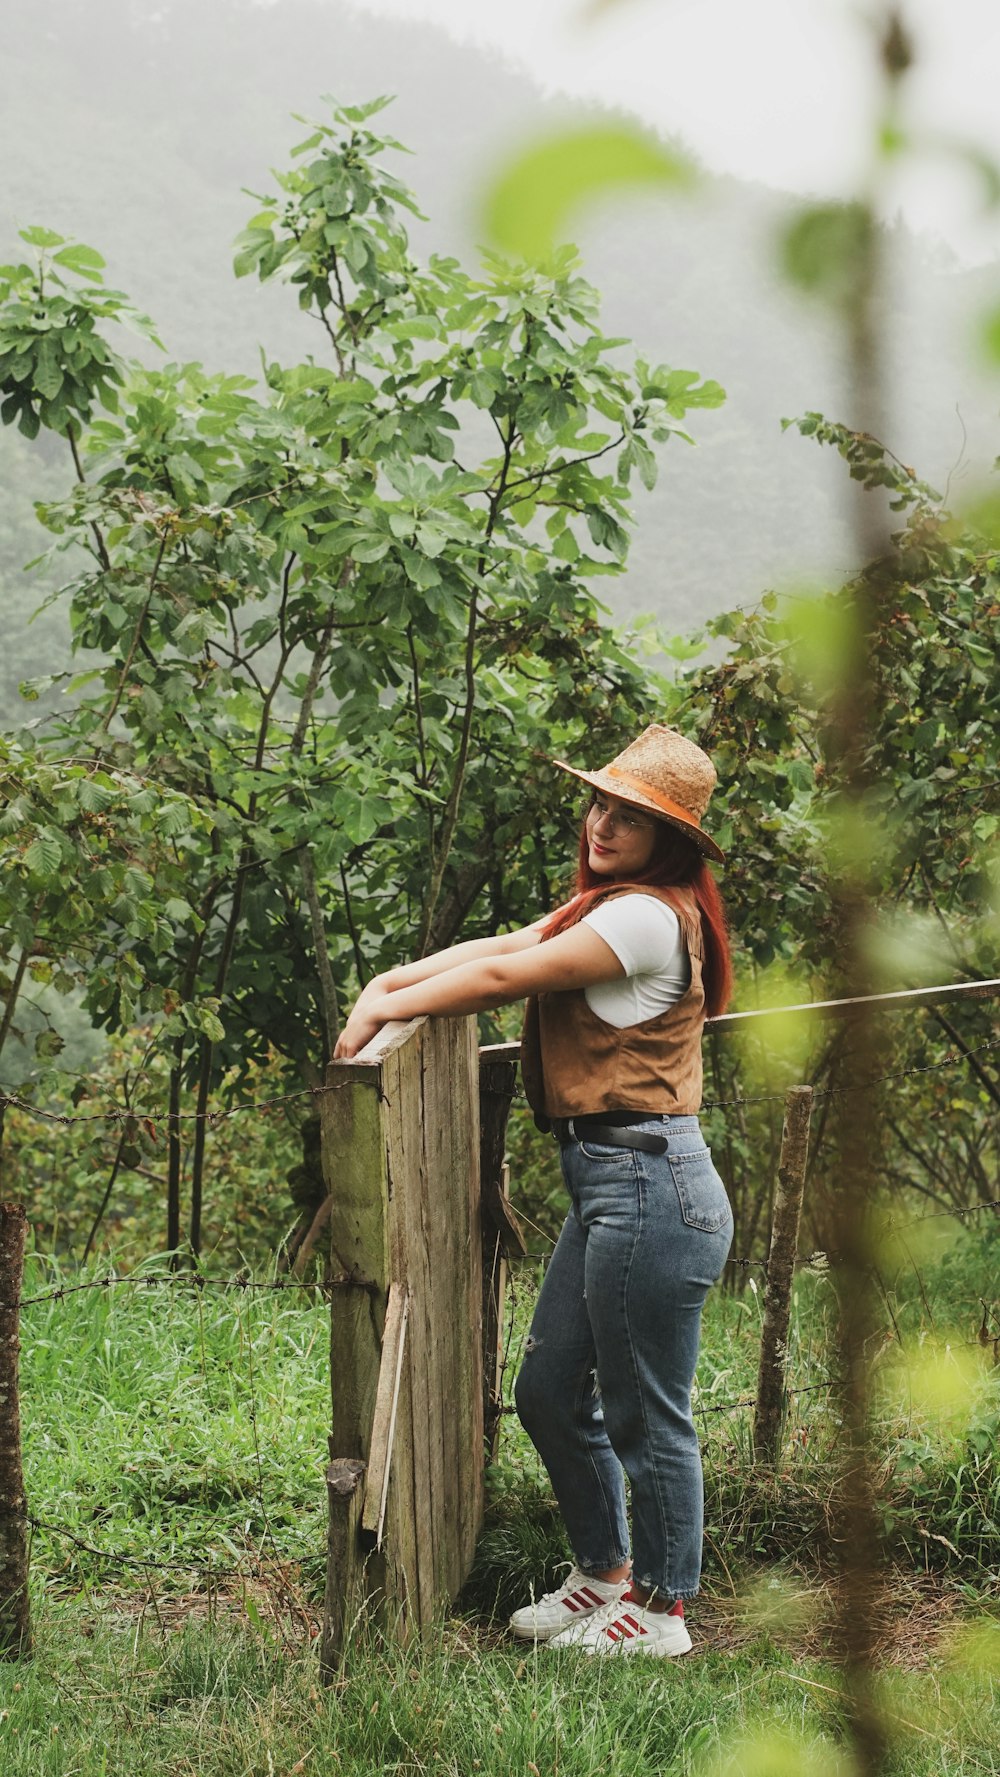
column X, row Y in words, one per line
column 699, row 1406
column 951, row 1059
column 934, row 1215
column 123, row 1113
column 196, row 1280
column 192, row 1280
column 126, row 1113
column 255, row 1568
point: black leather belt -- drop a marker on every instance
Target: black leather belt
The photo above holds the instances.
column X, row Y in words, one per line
column 610, row 1129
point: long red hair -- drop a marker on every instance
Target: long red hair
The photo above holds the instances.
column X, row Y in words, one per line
column 677, row 864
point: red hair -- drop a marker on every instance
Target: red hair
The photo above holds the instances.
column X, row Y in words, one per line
column 676, row 865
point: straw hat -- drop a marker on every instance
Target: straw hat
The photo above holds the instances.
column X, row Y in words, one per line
column 665, row 773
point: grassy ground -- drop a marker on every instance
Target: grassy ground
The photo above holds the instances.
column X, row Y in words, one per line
column 228, row 1700
column 184, row 1430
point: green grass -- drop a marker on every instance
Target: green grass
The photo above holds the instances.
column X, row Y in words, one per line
column 174, row 1424
column 184, row 1425
column 225, row 1698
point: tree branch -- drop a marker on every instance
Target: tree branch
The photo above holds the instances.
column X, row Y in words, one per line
column 102, row 550
column 974, row 1062
column 327, row 985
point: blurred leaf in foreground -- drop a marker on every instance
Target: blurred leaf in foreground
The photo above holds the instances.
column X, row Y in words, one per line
column 527, row 208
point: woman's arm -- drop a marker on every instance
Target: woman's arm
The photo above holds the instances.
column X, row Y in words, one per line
column 473, row 950
column 576, row 958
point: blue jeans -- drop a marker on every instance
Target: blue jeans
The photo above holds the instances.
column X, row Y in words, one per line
column 605, row 1385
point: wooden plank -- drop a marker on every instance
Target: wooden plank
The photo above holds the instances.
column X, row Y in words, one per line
column 442, row 1108
column 344, row 1598
column 386, row 1410
column 402, row 1138
column 400, row 1535
column 471, row 1278
column 502, row 1237
column 355, row 1176
column 404, row 1122
column 15, row 1608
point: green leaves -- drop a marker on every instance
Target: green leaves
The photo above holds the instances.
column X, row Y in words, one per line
column 44, row 855
column 869, row 462
column 314, row 635
column 55, row 366
column 528, row 209
column 85, row 261
column 826, row 250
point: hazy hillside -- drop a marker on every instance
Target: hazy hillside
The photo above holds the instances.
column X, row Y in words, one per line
column 134, row 126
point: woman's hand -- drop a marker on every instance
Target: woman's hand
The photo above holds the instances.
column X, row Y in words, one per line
column 359, row 1020
column 359, row 1030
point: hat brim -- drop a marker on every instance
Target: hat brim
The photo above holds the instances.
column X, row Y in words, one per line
column 602, row 780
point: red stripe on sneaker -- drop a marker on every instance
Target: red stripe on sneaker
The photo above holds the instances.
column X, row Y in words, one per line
column 591, row 1597
column 571, row 1603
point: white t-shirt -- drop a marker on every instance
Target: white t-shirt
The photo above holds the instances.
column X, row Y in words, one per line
column 645, row 935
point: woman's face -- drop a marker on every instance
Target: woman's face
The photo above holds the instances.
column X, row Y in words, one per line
column 621, row 839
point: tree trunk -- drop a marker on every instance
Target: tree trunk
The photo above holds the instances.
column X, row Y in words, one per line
column 15, row 1611
column 174, row 1155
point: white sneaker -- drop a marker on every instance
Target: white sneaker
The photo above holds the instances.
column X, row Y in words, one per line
column 578, row 1598
column 626, row 1627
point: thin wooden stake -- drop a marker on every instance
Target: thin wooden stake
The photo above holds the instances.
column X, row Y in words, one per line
column 386, row 1407
column 771, row 1396
column 15, row 1608
column 345, row 1569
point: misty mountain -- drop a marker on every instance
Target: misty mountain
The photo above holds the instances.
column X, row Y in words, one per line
column 136, row 126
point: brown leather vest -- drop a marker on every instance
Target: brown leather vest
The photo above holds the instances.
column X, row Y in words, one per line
column 573, row 1063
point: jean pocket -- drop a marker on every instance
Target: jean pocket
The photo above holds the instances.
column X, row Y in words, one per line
column 700, row 1191
column 608, row 1155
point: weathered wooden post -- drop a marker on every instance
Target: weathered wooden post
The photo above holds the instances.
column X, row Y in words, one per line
column 400, row 1136
column 502, row 1236
column 771, row 1398
column 15, row 1608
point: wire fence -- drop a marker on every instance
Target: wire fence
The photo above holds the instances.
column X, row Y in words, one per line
column 277, row 1569
column 238, row 1282
column 124, row 1113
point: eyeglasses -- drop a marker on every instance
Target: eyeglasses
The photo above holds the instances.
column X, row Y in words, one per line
column 617, row 820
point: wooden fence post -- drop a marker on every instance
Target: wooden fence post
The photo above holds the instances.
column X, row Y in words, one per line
column 15, row 1608
column 400, row 1135
column 771, row 1398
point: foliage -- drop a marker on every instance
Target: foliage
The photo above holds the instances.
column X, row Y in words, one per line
column 925, row 826
column 98, row 1186
column 341, row 621
column 94, row 862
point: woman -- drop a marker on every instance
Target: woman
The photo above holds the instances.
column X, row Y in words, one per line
column 618, row 984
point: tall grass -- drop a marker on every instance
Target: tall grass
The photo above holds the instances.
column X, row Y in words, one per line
column 227, row 1700
column 174, row 1423
column 182, row 1424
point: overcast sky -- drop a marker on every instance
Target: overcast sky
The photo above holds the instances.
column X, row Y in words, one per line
column 775, row 90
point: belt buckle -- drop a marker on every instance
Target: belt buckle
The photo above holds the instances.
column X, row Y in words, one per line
column 571, row 1129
